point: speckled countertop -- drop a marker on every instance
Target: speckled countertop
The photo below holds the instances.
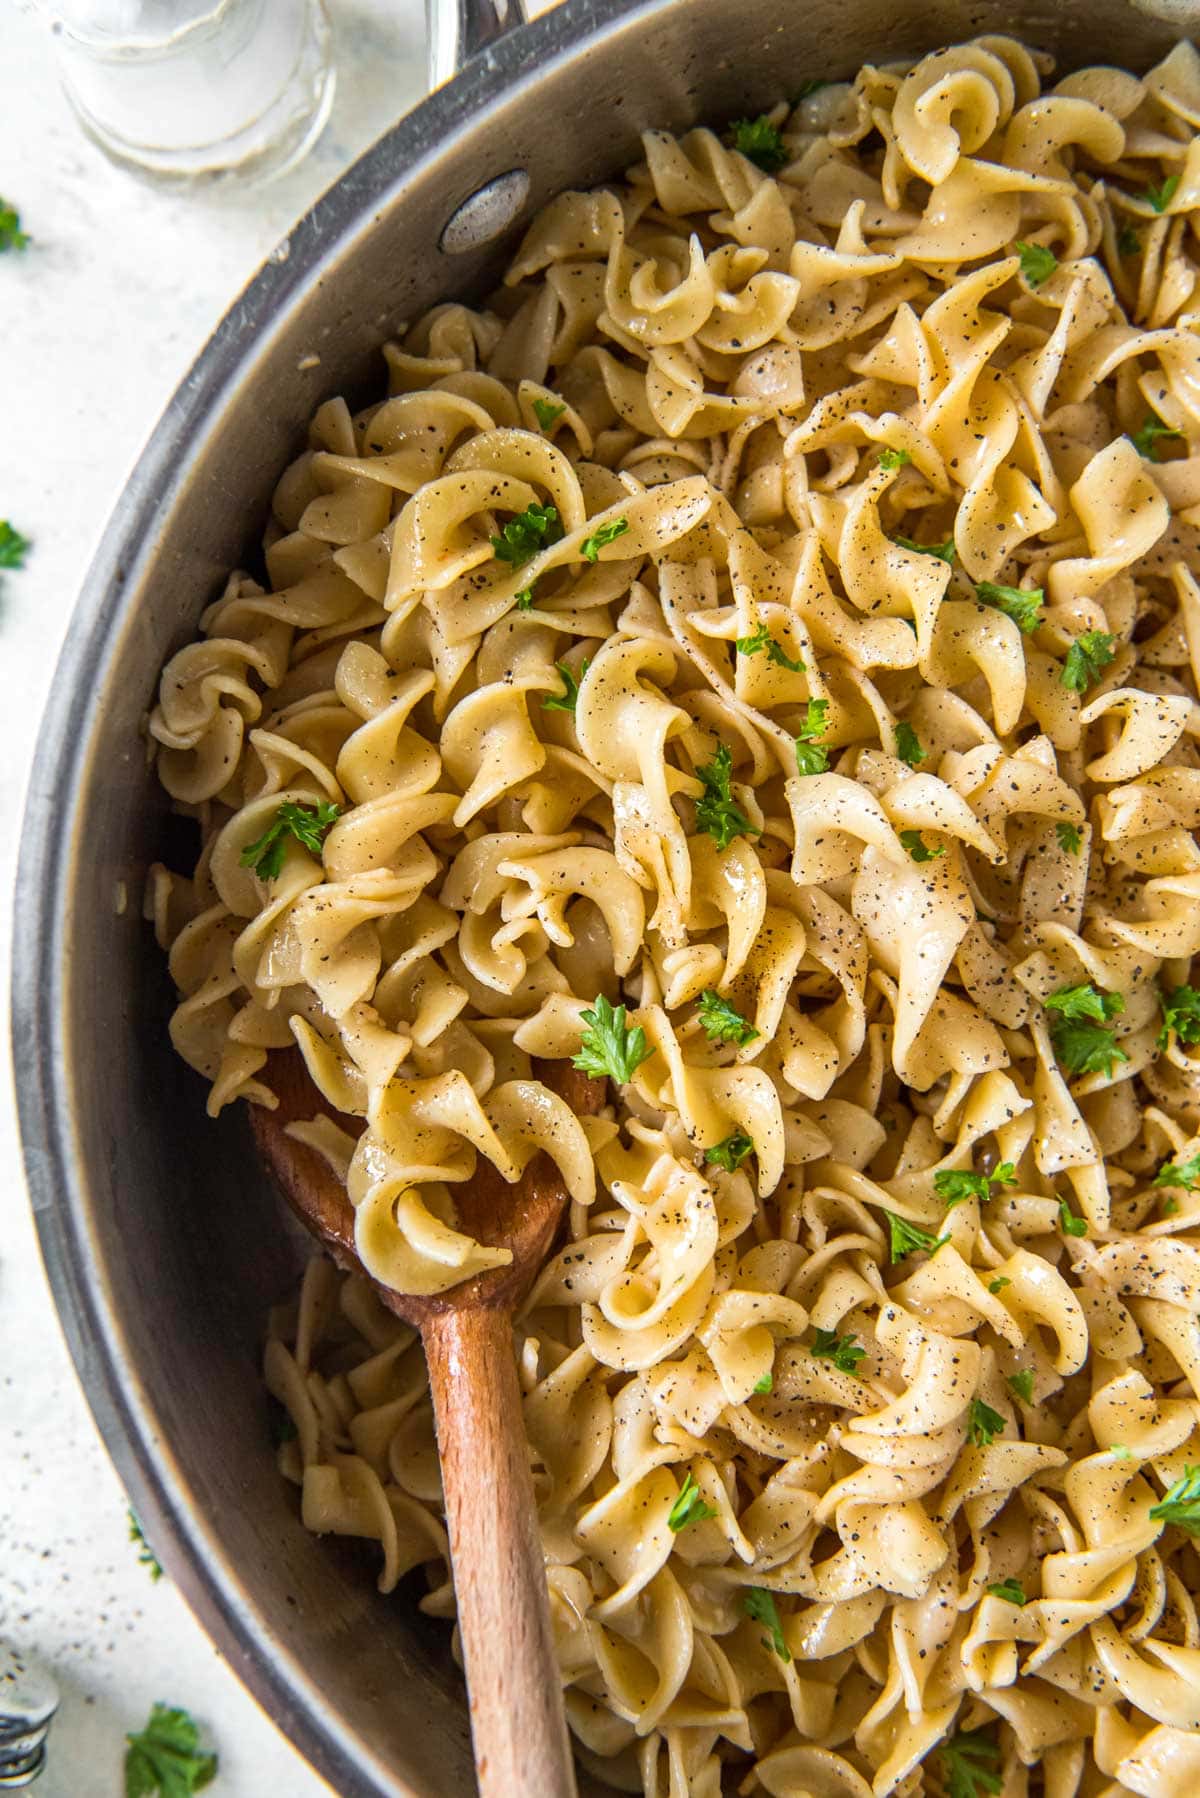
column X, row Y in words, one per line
column 99, row 319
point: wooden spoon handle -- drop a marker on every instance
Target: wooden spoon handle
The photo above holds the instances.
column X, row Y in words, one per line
column 517, row 1718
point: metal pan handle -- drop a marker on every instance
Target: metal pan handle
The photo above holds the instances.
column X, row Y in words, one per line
column 460, row 29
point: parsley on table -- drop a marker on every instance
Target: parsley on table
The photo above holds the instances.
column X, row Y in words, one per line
column 971, row 1761
column 918, row 848
column 146, row 1555
column 1128, row 241
column 908, row 744
column 1081, row 1042
column 906, row 1238
column 568, row 699
column 1146, row 441
column 1160, row 197
column 307, row 823
column 1070, row 838
column 1071, row 1225
column 1010, row 1590
column 1021, row 1383
column 731, row 1151
column 843, row 1351
column 165, row 1757
column 545, row 411
column 957, row 1185
column 13, row 547
column 1087, row 657
column 894, row 458
column 1181, row 1504
column 11, row 235
column 525, row 535
column 717, row 812
column 610, row 1047
column 759, row 1604
column 1181, row 1015
column 1037, row 263
column 811, row 758
column 689, row 1507
column 983, row 1424
column 762, row 639
column 722, row 1023
column 1184, row 1174
column 766, row 1384
column 760, row 142
column 603, row 534
column 1022, row 604
column 943, row 551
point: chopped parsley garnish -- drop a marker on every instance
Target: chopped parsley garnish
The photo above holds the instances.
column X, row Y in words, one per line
column 604, row 533
column 717, row 811
column 907, row 1238
column 146, row 1555
column 1037, row 263
column 1022, row 1384
column 730, row 1152
column 1160, row 197
column 1128, row 241
column 689, row 1507
column 610, row 1048
column 1071, row 1225
column 545, row 411
column 971, row 1761
column 762, row 639
column 999, row 1283
column 568, row 699
column 761, row 143
column 843, row 1351
column 307, row 823
column 918, row 848
column 760, row 1605
column 908, row 744
column 1086, row 658
column 722, row 1023
column 1081, row 1042
column 1181, row 1015
column 957, row 1185
column 1075, row 1002
column 1184, row 1174
column 525, row 535
column 11, row 235
column 1181, row 1505
column 1170, row 1206
column 1010, row 1590
column 983, row 1423
column 1146, row 441
column 165, row 1758
column 13, row 547
column 894, row 458
column 766, row 1384
column 1070, row 838
column 1022, row 604
column 811, row 758
column 524, row 599
column 943, row 551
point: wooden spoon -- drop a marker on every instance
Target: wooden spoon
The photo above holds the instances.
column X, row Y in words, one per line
column 518, row 1724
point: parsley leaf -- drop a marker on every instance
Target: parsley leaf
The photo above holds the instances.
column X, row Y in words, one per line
column 722, row 1023
column 689, row 1507
column 811, row 758
column 307, row 823
column 918, row 848
column 1037, row 263
column 1087, row 656
column 730, row 1152
column 999, row 1283
column 1010, row 1590
column 568, row 699
column 1081, row 1042
column 943, row 551
column 1160, row 197
column 894, row 458
column 165, row 1757
column 1185, row 1174
column 525, row 535
column 766, row 1384
column 1071, row 1225
column 1170, row 1207
column 717, row 812
column 762, row 639
column 609, row 1046
column 1128, row 241
column 908, row 1237
column 971, row 1760
column 146, row 1555
column 1022, row 1384
column 11, row 235
column 760, row 1605
column 13, row 547
column 1181, row 1015
column 1022, row 604
column 1181, row 1504
column 760, row 142
column 908, row 744
column 1075, row 1002
column 843, row 1351
column 545, row 411
column 1146, row 441
column 1070, row 838
column 604, row 533
column 983, row 1423
column 957, row 1185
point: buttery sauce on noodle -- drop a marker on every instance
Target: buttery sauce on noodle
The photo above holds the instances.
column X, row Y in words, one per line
column 853, row 1440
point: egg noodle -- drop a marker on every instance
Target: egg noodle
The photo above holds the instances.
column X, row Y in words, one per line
column 757, row 654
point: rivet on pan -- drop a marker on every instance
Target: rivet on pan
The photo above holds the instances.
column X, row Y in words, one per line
column 488, row 212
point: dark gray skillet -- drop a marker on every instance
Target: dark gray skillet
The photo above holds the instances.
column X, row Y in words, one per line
column 162, row 1239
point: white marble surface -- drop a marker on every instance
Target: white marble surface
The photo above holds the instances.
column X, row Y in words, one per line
column 98, row 322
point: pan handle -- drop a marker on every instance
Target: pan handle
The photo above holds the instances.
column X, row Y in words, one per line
column 460, row 29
